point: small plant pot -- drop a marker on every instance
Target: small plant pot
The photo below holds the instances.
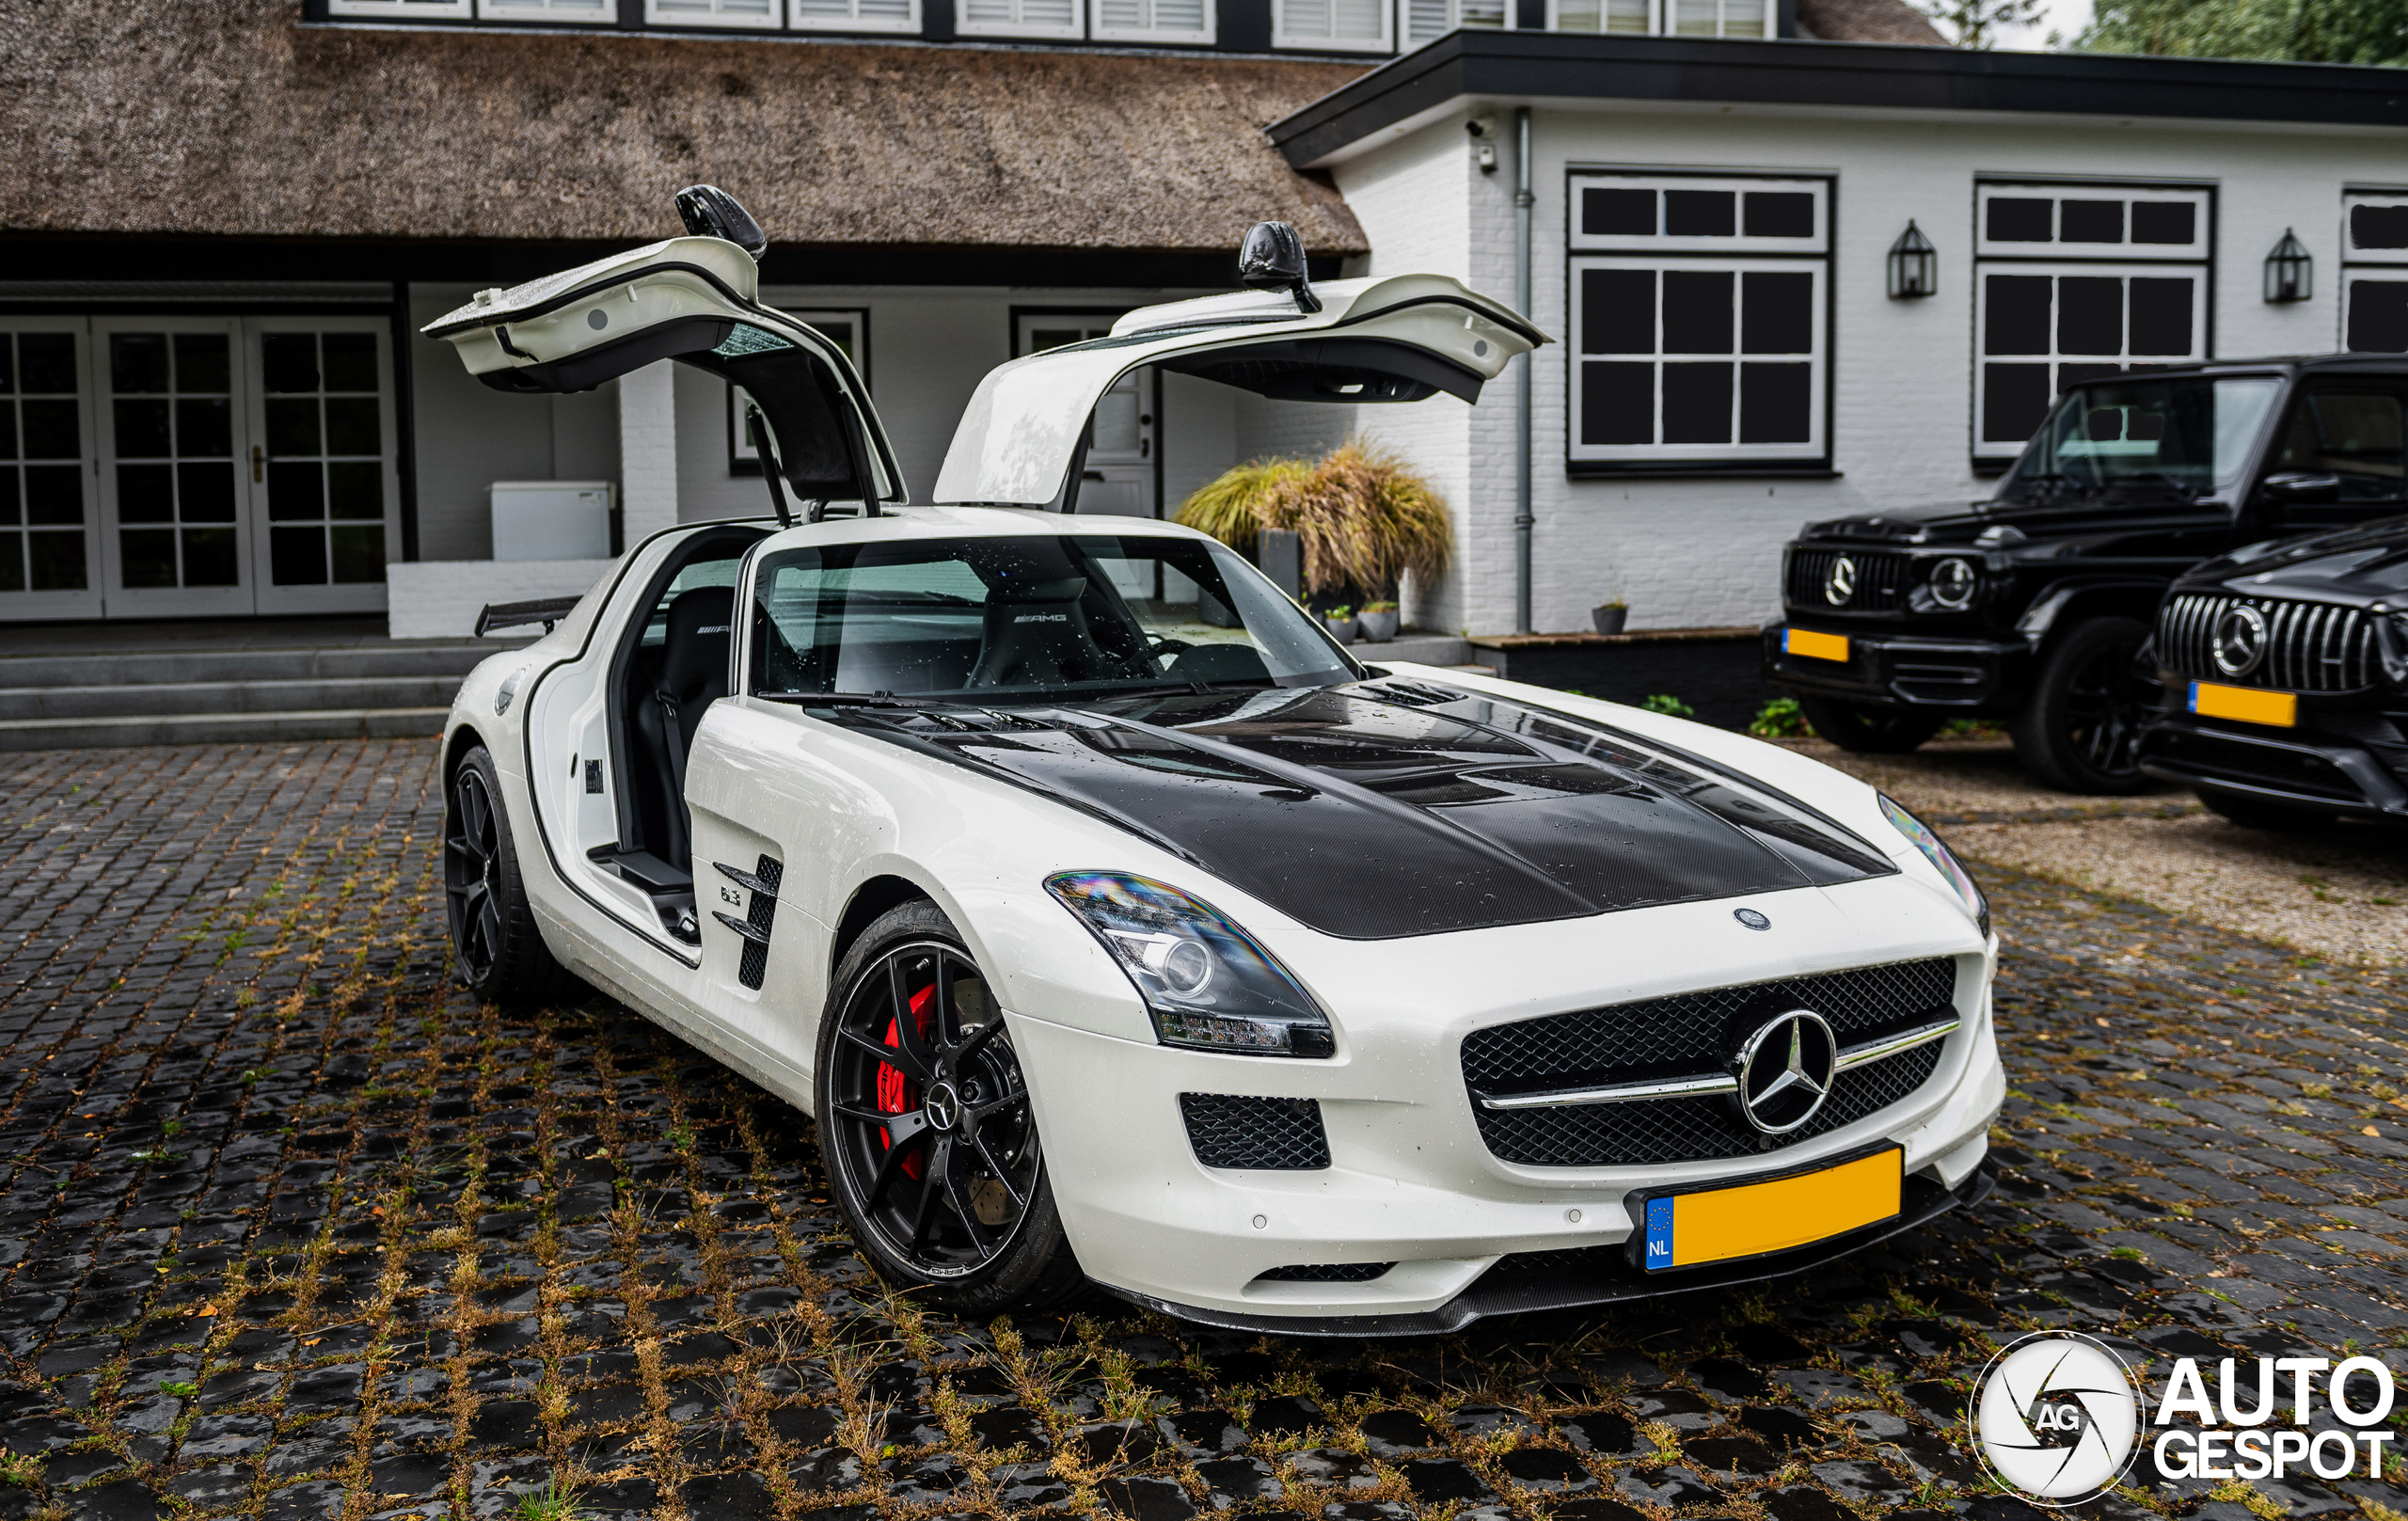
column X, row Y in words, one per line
column 1378, row 628
column 1341, row 630
column 1609, row 618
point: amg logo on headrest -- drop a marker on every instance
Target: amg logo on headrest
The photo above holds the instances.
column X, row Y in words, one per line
column 1042, row 618
column 717, row 629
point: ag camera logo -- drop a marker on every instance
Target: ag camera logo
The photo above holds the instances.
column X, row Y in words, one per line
column 2057, row 1418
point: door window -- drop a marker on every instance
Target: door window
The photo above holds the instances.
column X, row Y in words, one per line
column 44, row 544
column 325, row 458
column 172, row 410
column 2356, row 437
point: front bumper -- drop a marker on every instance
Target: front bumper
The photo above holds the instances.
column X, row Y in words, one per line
column 1409, row 1180
column 1895, row 670
column 2308, row 767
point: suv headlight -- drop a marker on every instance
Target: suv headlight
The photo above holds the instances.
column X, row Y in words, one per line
column 1954, row 581
column 1938, row 854
column 1206, row 983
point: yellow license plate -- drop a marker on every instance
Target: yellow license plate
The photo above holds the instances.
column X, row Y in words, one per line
column 1813, row 646
column 1718, row 1224
column 2277, row 709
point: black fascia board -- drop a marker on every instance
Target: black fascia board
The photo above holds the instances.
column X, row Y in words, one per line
column 1557, row 65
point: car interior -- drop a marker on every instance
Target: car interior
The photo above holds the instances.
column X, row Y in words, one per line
column 669, row 668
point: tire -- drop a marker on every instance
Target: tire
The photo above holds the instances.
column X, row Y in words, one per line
column 894, row 1036
column 2258, row 813
column 2080, row 730
column 496, row 950
column 1867, row 731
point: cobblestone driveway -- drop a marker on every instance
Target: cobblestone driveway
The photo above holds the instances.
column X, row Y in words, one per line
column 293, row 1229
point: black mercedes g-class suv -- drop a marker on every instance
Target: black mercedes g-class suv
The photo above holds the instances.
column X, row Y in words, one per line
column 2032, row 605
column 2286, row 666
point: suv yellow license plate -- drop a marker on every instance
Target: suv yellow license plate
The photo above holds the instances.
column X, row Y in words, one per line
column 2279, row 710
column 1715, row 1225
column 1813, row 646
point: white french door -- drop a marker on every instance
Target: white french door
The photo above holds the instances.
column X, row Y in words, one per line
column 182, row 467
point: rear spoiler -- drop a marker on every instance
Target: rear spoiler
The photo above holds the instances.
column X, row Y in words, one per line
column 546, row 610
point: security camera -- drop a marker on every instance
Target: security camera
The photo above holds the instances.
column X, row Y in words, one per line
column 1483, row 138
column 1482, row 127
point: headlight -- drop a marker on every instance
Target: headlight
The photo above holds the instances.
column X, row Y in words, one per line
column 1941, row 856
column 1954, row 581
column 1206, row 982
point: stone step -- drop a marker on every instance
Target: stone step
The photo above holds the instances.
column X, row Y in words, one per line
column 226, row 728
column 224, row 699
column 166, row 666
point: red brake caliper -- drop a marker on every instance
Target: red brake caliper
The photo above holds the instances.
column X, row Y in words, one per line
column 896, row 1093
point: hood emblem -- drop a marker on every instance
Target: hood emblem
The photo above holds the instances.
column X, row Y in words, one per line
column 1752, row 918
column 2238, row 643
column 1785, row 1071
column 1840, row 584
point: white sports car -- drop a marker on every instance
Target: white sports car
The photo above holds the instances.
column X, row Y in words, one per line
column 1115, row 924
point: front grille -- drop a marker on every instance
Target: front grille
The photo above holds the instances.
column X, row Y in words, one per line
column 1325, row 1273
column 1279, row 1134
column 1683, row 1036
column 2310, row 646
column 2212, row 758
column 1882, row 579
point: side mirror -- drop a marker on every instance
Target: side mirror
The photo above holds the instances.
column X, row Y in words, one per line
column 710, row 212
column 2294, row 488
column 1272, row 258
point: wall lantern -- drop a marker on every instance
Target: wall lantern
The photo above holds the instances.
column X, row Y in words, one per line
column 2291, row 274
column 1914, row 266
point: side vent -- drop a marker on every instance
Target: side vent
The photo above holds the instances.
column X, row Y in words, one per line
column 760, row 914
column 1234, row 1130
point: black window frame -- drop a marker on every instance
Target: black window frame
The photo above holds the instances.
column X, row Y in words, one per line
column 2385, row 267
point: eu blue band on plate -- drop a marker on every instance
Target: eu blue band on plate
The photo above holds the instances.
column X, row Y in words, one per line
column 1659, row 1233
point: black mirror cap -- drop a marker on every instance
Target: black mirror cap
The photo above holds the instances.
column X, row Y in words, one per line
column 1272, row 258
column 710, row 212
column 2302, row 487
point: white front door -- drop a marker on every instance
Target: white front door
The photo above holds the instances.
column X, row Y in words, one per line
column 175, row 494
column 50, row 532
column 1117, row 476
column 322, row 466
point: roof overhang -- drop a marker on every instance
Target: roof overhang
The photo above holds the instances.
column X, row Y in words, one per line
column 1787, row 76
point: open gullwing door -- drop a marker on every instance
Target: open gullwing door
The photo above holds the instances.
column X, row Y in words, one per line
column 1401, row 339
column 694, row 300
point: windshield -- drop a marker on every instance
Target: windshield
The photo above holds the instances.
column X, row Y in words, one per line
column 989, row 619
column 2181, row 437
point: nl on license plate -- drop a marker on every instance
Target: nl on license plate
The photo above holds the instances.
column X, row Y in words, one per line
column 1715, row 1224
column 2278, row 710
column 1814, row 646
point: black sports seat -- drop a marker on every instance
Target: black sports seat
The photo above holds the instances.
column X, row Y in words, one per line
column 1041, row 633
column 693, row 675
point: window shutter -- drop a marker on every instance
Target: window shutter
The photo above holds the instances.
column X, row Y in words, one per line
column 1428, row 20
column 713, row 12
column 403, row 9
column 1168, row 21
column 584, row 11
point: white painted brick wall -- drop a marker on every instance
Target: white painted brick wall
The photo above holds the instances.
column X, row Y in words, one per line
column 1693, row 553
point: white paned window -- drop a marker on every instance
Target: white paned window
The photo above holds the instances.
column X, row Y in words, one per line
column 854, row 15
column 589, row 11
column 2073, row 282
column 761, row 14
column 1018, row 18
column 402, row 9
column 1717, row 17
column 1331, row 25
column 1152, row 21
column 1628, row 16
column 1426, row 20
column 2374, row 272
column 1700, row 315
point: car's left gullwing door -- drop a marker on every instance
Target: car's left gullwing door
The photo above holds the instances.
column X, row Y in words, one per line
column 694, row 300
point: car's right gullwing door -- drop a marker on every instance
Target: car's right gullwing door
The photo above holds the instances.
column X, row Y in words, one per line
column 1401, row 339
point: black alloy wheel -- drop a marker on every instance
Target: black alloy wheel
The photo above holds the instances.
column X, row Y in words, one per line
column 1864, row 730
column 2079, row 731
column 496, row 949
column 927, row 1124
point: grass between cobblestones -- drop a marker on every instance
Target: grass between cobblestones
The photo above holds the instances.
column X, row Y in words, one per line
column 295, row 1229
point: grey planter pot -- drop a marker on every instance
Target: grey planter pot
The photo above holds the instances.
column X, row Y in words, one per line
column 1608, row 620
column 1341, row 630
column 1378, row 628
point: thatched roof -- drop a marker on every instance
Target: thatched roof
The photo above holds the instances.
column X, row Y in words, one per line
column 1867, row 20
column 230, row 118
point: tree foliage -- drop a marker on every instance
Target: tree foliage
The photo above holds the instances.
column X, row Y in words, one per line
column 2295, row 31
column 1978, row 23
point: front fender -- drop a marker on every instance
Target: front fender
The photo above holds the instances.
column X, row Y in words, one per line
column 2069, row 601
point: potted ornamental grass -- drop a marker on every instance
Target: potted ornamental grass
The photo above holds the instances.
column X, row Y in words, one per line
column 1364, row 520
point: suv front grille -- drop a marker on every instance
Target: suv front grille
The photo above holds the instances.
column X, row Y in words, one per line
column 1686, row 1035
column 1881, row 579
column 2310, row 646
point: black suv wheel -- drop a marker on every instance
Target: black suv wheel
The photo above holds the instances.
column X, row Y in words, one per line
column 2080, row 730
column 1867, row 731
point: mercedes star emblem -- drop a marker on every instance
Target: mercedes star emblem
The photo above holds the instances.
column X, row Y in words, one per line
column 1786, row 1071
column 2238, row 641
column 1752, row 918
column 1841, row 583
column 943, row 1106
